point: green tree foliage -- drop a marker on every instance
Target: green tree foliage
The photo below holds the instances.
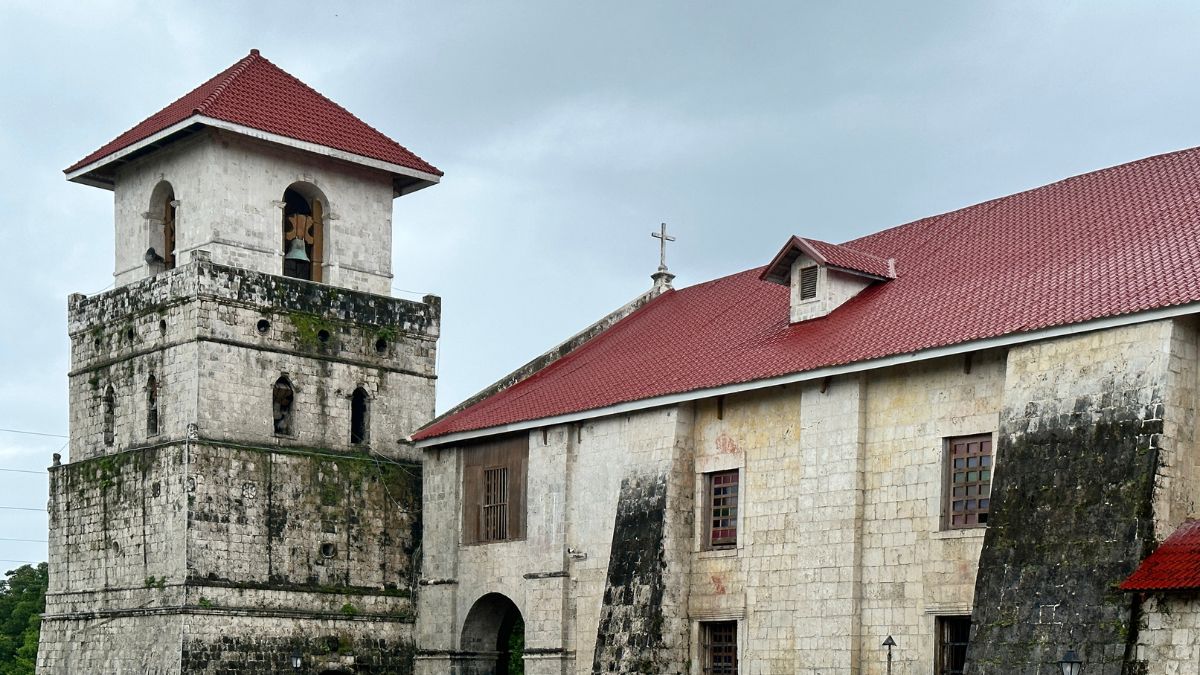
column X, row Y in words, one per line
column 22, row 601
column 516, row 649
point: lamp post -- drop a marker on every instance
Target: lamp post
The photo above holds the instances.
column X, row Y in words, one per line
column 297, row 661
column 1070, row 663
column 889, row 643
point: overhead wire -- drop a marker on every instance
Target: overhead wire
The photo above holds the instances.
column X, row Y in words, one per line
column 33, row 433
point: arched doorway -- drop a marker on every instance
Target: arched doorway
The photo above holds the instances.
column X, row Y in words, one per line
column 494, row 634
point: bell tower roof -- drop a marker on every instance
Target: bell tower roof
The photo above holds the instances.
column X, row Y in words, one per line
column 256, row 98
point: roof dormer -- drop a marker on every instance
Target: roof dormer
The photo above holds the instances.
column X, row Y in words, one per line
column 823, row 276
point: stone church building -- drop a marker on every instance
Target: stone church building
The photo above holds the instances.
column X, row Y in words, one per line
column 968, row 433
column 964, row 433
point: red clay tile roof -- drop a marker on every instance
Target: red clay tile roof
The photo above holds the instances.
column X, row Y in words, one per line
column 848, row 258
column 825, row 253
column 256, row 93
column 1121, row 240
column 1174, row 565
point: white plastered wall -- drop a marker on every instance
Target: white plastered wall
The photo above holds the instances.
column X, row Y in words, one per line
column 229, row 190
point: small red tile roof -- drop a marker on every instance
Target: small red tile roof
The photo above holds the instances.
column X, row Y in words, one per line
column 258, row 94
column 1174, row 565
column 825, row 253
column 1117, row 241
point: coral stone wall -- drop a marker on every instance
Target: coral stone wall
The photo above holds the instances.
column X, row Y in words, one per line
column 1078, row 452
column 213, row 544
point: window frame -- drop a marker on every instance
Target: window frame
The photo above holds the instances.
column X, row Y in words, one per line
column 510, row 455
column 816, row 283
column 493, row 516
column 707, row 643
column 986, row 464
column 710, row 498
column 942, row 642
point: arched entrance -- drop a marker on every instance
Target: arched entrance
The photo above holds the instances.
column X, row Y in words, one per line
column 493, row 636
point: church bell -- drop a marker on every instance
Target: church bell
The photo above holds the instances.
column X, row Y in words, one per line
column 296, row 251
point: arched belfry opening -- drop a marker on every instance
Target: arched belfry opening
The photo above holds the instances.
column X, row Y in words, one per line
column 358, row 416
column 282, row 399
column 161, row 217
column 494, row 632
column 304, row 209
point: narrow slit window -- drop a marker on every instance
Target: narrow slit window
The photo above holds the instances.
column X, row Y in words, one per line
column 968, row 481
column 494, row 519
column 719, row 647
column 722, row 503
column 358, row 417
column 282, row 398
column 109, row 405
column 808, row 283
column 151, row 406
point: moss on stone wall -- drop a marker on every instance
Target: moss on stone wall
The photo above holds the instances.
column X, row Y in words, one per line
column 1071, row 517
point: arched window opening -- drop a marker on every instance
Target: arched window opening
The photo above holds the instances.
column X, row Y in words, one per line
column 281, row 406
column 303, row 233
column 161, row 254
column 358, row 416
column 110, row 415
column 151, row 406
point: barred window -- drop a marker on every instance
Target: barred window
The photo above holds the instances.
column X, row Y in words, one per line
column 719, row 647
column 968, row 481
column 722, row 506
column 952, row 635
column 494, row 478
column 494, row 520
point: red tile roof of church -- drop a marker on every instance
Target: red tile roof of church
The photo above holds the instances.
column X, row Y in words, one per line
column 256, row 93
column 1174, row 565
column 1117, row 241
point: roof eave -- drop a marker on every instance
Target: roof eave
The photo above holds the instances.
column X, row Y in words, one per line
column 1005, row 340
column 405, row 180
column 779, row 269
column 92, row 173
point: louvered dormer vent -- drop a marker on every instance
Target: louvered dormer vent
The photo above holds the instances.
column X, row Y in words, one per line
column 808, row 283
column 823, row 276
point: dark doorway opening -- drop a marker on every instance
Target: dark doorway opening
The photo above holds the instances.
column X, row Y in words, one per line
column 495, row 628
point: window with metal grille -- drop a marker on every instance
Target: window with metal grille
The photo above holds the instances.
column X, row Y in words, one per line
column 493, row 490
column 719, row 646
column 808, row 283
column 968, row 481
column 494, row 519
column 722, row 501
column 953, row 633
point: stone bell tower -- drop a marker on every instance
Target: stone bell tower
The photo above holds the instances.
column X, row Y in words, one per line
column 238, row 492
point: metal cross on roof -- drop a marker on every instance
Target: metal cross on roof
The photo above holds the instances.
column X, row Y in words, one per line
column 662, row 238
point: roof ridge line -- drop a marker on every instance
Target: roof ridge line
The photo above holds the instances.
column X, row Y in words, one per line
column 233, row 73
column 337, row 105
column 1026, row 191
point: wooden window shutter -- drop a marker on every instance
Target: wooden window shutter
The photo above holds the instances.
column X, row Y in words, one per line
column 318, row 243
column 472, row 502
column 516, row 499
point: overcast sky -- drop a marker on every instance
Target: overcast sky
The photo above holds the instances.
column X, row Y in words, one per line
column 567, row 132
